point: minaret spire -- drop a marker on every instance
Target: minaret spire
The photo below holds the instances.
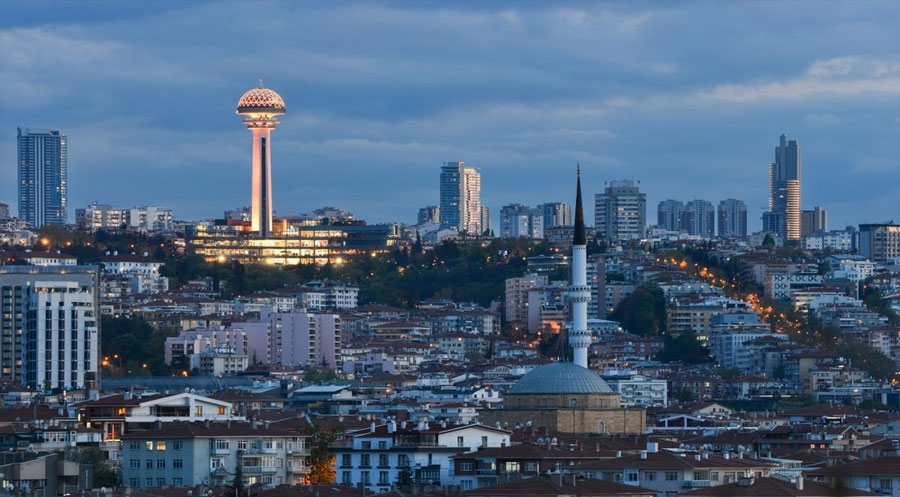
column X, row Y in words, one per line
column 580, row 238
column 579, row 291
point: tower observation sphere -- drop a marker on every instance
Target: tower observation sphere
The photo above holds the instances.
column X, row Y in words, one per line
column 260, row 107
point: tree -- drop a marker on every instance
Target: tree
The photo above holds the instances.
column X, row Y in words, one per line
column 768, row 240
column 404, row 477
column 237, row 484
column 643, row 312
column 474, row 356
column 685, row 395
column 684, row 348
column 321, row 461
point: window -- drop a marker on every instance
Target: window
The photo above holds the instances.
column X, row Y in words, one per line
column 346, row 478
column 221, row 444
column 671, row 476
column 134, row 446
column 402, row 460
column 177, row 445
column 364, row 477
column 178, row 482
column 149, row 464
column 650, row 475
column 697, row 475
column 460, row 441
column 216, row 462
column 198, row 411
column 714, row 475
column 484, row 441
column 573, row 402
column 465, row 466
column 241, row 445
column 383, row 461
column 364, row 461
column 160, row 464
column 531, row 466
column 383, row 478
column 160, row 482
column 632, row 476
column 346, row 460
column 544, row 402
column 382, row 444
column 160, row 446
column 177, row 463
column 467, row 484
column 149, row 482
column 367, row 445
column 134, row 464
column 134, row 482
column 149, row 445
column 221, row 411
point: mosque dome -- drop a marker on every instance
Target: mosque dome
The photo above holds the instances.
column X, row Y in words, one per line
column 560, row 378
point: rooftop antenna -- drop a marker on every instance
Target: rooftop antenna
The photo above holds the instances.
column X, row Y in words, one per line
column 261, row 83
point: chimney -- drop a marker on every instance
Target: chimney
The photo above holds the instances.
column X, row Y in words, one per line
column 800, row 482
column 727, row 455
column 403, row 425
column 706, row 455
column 266, row 424
column 391, row 426
column 372, row 427
column 652, row 447
column 618, row 453
column 643, row 454
column 697, row 457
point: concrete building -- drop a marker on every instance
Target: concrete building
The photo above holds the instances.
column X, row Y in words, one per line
column 620, row 212
column 556, row 214
column 732, row 219
column 43, row 165
column 188, row 454
column 150, row 218
column 699, row 218
column 296, row 339
column 839, row 241
column 516, row 296
column 100, row 216
column 429, row 214
column 813, row 221
column 519, row 220
column 376, row 457
column 50, row 326
column 669, row 214
column 879, row 242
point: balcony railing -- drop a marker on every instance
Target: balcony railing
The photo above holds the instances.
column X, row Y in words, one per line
column 221, row 451
column 259, row 469
column 696, row 483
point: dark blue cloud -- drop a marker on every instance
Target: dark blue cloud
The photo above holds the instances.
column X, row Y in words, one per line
column 690, row 99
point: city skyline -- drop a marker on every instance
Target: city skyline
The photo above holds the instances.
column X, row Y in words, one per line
column 519, row 123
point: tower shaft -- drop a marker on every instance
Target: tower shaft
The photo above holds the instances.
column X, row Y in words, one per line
column 261, row 182
column 579, row 293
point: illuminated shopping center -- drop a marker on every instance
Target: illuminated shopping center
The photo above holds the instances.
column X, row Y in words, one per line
column 286, row 241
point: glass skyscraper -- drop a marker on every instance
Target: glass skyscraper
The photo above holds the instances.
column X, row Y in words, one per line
column 43, row 176
column 783, row 216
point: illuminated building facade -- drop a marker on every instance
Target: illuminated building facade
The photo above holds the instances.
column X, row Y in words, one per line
column 783, row 216
column 291, row 243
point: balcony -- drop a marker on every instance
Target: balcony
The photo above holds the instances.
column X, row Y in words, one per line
column 292, row 468
column 696, row 483
column 261, row 450
column 221, row 451
column 259, row 469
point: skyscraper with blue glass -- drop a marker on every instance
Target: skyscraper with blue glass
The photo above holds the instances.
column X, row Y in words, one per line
column 43, row 176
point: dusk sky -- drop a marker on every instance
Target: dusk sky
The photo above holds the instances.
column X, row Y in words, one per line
column 689, row 99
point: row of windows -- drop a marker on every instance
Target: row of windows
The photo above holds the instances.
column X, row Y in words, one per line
column 160, row 482
column 160, row 445
column 160, row 464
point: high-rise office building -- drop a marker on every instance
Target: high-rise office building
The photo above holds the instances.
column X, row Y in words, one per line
column 732, row 218
column 669, row 213
column 429, row 214
column 460, row 207
column 812, row 221
column 699, row 218
column 879, row 242
column 43, row 176
column 49, row 320
column 783, row 216
column 556, row 214
column 620, row 212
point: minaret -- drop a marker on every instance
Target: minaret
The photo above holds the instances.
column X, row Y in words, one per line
column 579, row 292
column 261, row 106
